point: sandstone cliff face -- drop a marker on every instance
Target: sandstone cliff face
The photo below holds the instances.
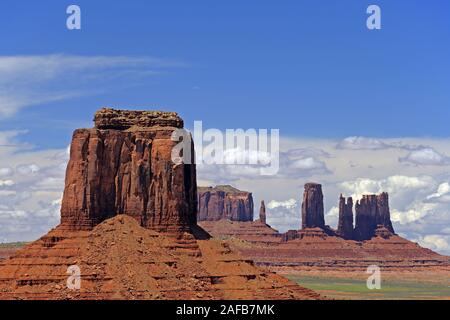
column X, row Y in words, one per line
column 224, row 202
column 262, row 212
column 312, row 206
column 372, row 212
column 372, row 215
column 123, row 166
column 345, row 223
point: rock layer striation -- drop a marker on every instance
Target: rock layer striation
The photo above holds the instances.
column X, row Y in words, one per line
column 123, row 166
column 345, row 223
column 224, row 202
column 372, row 213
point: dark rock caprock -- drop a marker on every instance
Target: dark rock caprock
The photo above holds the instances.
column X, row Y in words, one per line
column 123, row 166
column 312, row 207
column 224, row 202
column 345, row 223
column 262, row 212
column 372, row 212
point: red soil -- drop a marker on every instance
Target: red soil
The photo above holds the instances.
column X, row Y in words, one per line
column 119, row 259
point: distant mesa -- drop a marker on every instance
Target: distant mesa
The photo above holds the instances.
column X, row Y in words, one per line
column 224, row 202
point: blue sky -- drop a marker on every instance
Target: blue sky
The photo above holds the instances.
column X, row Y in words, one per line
column 308, row 68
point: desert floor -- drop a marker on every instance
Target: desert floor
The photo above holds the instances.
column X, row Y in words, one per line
column 395, row 285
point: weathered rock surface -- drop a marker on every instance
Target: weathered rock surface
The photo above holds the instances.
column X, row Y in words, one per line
column 224, row 202
column 123, row 166
column 262, row 212
column 312, row 207
column 372, row 212
column 108, row 118
column 345, row 222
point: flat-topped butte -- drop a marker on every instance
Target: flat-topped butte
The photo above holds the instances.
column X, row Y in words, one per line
column 223, row 188
column 108, row 118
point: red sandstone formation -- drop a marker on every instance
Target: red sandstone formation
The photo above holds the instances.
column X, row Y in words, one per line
column 128, row 223
column 345, row 223
column 312, row 207
column 323, row 252
column 224, row 202
column 372, row 216
column 372, row 212
column 262, row 212
column 322, row 248
column 123, row 166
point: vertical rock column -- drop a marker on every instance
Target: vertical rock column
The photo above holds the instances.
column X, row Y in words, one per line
column 372, row 212
column 312, row 207
column 345, row 224
column 383, row 217
column 262, row 212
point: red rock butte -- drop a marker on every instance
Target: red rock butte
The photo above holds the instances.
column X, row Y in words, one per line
column 224, row 202
column 128, row 222
column 124, row 166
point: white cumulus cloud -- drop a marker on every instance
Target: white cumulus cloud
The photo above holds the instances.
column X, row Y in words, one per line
column 426, row 156
column 442, row 193
column 288, row 204
column 362, row 143
column 29, row 197
column 434, row 242
column 6, row 183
